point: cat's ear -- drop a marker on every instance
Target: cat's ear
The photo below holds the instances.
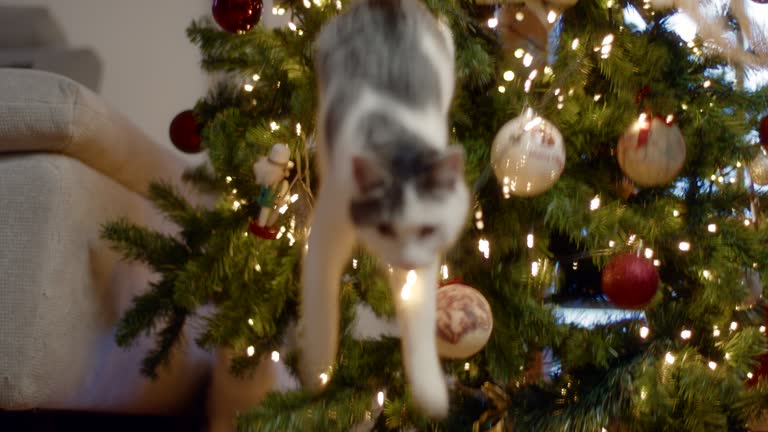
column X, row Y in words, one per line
column 449, row 168
column 368, row 174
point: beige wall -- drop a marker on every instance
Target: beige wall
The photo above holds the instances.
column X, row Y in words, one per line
column 150, row 70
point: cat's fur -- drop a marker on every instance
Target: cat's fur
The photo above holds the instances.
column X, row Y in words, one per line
column 388, row 178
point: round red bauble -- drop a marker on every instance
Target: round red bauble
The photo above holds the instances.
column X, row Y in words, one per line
column 237, row 16
column 630, row 282
column 464, row 321
column 185, row 132
column 764, row 132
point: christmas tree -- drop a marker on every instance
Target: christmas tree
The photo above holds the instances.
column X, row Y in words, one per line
column 592, row 143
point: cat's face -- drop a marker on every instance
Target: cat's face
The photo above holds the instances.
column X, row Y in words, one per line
column 409, row 220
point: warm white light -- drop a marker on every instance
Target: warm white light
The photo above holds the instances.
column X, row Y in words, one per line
column 609, row 4
column 643, row 394
column 493, row 22
column 283, row 209
column 712, row 365
column 466, row 366
column 716, row 332
column 519, row 16
column 712, row 228
column 257, row 267
column 338, row 4
column 727, row 356
column 631, row 239
column 608, row 39
column 557, row 92
column 292, row 26
column 707, row 275
column 228, row 179
column 354, row 263
column 762, row 329
column 669, row 358
column 551, row 17
column 675, row 213
column 648, row 253
column 534, row 73
column 274, row 126
column 250, row 321
column 485, row 247
column 509, row 75
column 235, row 205
column 256, row 77
column 380, row 398
column 747, row 222
column 529, row 241
column 713, row 177
column 547, row 70
column 324, row 378
column 734, row 325
column 502, row 89
column 597, row 97
column 527, row 60
column 738, row 164
column 684, row 246
column 575, row 43
column 535, row 268
column 444, row 271
column 707, row 83
column 307, row 4
column 656, row 262
column 410, row 279
column 720, row 179
column 594, row 204
column 519, row 53
column 670, row 118
column 611, row 243
column 685, row 334
column 749, row 375
column 248, row 87
column 275, row 356
column 250, row 351
column 294, row 198
column 644, row 331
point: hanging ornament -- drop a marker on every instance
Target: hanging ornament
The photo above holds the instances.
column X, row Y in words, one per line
column 237, row 16
column 652, row 151
column 763, row 131
column 528, row 155
column 758, row 168
column 464, row 321
column 526, row 27
column 754, row 288
column 629, row 281
column 185, row 132
column 271, row 173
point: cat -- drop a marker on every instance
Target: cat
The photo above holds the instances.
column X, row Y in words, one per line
column 388, row 178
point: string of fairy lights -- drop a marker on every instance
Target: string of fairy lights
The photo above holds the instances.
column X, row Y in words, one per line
column 539, row 266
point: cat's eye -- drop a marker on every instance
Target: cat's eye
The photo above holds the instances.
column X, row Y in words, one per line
column 385, row 229
column 426, row 231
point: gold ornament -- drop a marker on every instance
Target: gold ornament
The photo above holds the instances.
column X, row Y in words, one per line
column 758, row 168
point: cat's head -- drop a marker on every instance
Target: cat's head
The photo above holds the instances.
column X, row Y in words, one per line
column 411, row 209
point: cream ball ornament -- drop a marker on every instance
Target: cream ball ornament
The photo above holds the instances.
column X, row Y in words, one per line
column 528, row 155
column 651, row 152
column 464, row 321
column 758, row 168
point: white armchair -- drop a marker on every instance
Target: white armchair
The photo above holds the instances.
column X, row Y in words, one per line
column 68, row 164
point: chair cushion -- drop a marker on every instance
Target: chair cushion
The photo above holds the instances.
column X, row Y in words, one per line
column 45, row 112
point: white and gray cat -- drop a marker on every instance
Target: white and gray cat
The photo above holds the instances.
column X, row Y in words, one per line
column 385, row 73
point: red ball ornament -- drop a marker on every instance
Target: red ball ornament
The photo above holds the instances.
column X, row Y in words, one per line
column 630, row 282
column 764, row 132
column 237, row 16
column 185, row 132
column 464, row 321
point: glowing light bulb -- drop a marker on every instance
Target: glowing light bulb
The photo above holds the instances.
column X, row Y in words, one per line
column 324, row 378
column 644, row 332
column 354, row 263
column 444, row 271
column 750, row 375
column 716, row 332
column 684, row 246
column 551, row 17
column 466, row 366
column 248, row 87
column 712, row 228
column 707, row 275
column 669, row 358
column 519, row 53
column 648, row 253
column 608, row 39
column 256, row 77
column 493, row 22
column 685, row 334
column 611, row 243
column 535, row 268
column 275, row 356
column 527, row 60
column 675, row 213
column 594, row 204
column 250, row 321
column 529, row 241
column 274, row 126
column 734, row 325
column 485, row 247
column 228, row 179
column 747, row 222
column 509, row 75
column 519, row 16
column 380, row 398
column 250, row 351
column 502, row 89
column 292, row 26
column 762, row 329
column 657, row 263
column 707, row 83
column 575, row 44
column 712, row 365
